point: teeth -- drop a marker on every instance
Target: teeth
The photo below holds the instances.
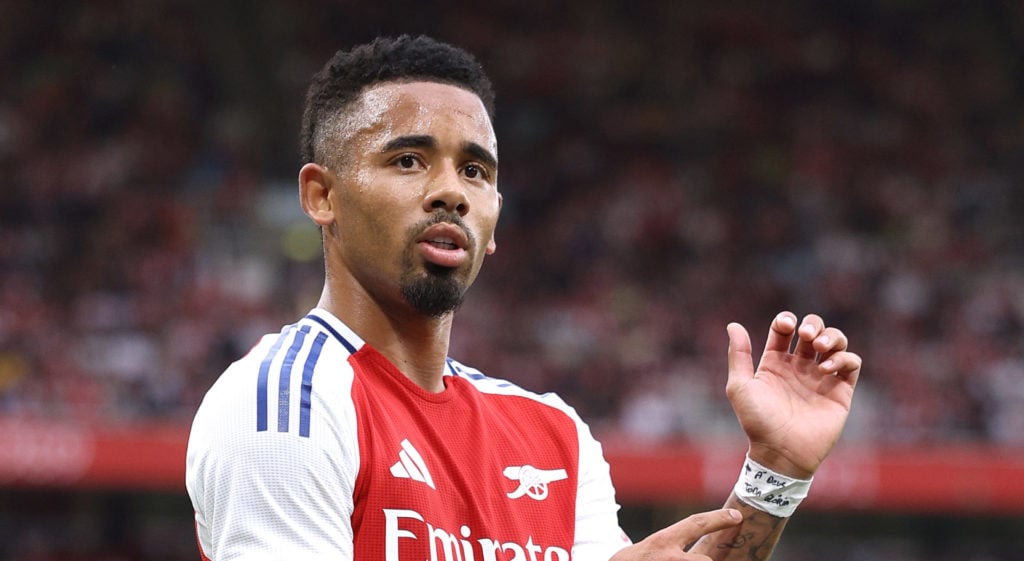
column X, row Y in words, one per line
column 446, row 243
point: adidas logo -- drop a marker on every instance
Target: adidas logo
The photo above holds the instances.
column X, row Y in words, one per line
column 410, row 465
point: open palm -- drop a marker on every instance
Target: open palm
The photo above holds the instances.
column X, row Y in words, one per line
column 794, row 405
column 793, row 408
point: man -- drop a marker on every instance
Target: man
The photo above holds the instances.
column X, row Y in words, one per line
column 352, row 435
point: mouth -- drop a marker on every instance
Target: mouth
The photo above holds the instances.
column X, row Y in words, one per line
column 444, row 244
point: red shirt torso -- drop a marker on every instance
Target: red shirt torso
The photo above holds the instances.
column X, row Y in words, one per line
column 461, row 474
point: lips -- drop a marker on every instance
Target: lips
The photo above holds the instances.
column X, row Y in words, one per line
column 444, row 244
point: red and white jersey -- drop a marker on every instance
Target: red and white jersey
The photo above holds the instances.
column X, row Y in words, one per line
column 314, row 446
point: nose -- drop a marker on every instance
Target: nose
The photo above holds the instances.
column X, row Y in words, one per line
column 446, row 192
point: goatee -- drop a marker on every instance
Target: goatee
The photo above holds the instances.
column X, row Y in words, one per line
column 436, row 294
column 436, row 291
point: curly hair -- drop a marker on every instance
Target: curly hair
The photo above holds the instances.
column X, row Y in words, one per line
column 387, row 59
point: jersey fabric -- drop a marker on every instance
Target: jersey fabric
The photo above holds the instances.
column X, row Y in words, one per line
column 315, row 446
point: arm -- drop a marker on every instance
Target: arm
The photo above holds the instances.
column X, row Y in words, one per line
column 754, row 538
column 736, row 532
column 792, row 408
column 269, row 494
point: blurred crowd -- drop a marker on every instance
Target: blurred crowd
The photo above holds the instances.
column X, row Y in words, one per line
column 667, row 168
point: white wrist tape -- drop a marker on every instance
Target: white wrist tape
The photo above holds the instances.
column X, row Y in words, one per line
column 772, row 492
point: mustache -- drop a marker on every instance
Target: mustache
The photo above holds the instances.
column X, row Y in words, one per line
column 440, row 216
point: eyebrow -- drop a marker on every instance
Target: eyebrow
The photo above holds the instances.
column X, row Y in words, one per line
column 481, row 153
column 426, row 141
column 412, row 141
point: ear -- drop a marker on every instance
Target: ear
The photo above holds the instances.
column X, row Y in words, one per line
column 492, row 246
column 315, row 184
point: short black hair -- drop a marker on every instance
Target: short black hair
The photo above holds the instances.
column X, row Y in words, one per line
column 387, row 59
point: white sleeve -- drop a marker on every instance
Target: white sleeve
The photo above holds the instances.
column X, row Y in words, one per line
column 598, row 534
column 272, row 494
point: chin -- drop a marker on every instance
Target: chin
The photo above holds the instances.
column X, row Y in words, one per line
column 435, row 294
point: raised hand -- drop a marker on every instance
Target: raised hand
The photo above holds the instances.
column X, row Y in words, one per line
column 793, row 408
column 794, row 405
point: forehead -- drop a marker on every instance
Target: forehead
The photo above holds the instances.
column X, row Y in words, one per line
column 446, row 112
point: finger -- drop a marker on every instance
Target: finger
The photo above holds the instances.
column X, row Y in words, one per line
column 830, row 341
column 741, row 362
column 780, row 336
column 844, row 364
column 696, row 526
column 810, row 329
column 827, row 344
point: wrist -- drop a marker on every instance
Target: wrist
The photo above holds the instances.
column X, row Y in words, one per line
column 778, row 462
column 770, row 491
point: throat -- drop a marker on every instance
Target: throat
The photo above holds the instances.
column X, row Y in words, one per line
column 419, row 353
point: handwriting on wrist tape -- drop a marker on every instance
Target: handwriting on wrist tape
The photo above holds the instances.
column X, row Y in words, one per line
column 769, row 491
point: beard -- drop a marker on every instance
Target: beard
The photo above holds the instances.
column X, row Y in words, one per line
column 435, row 291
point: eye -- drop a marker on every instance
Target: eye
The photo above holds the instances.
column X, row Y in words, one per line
column 473, row 171
column 406, row 161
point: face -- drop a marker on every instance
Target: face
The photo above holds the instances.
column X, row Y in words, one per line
column 414, row 195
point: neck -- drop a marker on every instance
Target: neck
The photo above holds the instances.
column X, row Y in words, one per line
column 415, row 343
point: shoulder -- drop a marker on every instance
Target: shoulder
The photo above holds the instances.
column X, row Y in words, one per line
column 277, row 387
column 502, row 387
column 274, row 427
column 296, row 352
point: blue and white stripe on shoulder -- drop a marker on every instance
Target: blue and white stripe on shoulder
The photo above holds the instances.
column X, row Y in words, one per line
column 338, row 330
column 287, row 368
column 487, row 384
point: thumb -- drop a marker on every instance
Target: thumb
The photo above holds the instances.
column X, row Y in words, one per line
column 741, row 361
column 693, row 527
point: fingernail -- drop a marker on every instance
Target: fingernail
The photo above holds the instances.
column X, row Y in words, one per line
column 828, row 364
column 735, row 514
column 825, row 340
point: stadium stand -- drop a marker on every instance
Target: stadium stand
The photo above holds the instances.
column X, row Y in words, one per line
column 667, row 167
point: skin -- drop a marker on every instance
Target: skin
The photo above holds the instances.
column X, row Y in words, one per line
column 792, row 407
column 410, row 152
